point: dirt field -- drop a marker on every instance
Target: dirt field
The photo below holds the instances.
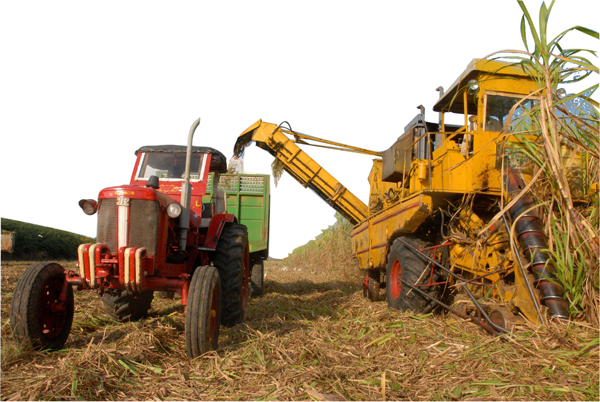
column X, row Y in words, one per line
column 311, row 336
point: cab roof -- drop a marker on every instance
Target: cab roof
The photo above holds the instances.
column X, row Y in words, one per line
column 218, row 162
column 449, row 102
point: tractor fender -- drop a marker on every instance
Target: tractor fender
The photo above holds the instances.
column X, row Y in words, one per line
column 215, row 228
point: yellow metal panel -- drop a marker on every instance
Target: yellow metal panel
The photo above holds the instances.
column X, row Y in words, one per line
column 371, row 239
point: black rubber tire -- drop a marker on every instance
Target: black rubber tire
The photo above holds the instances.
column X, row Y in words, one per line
column 257, row 277
column 122, row 305
column 203, row 312
column 232, row 260
column 410, row 268
column 36, row 292
column 373, row 284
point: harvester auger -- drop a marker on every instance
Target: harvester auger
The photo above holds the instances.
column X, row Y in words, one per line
column 159, row 233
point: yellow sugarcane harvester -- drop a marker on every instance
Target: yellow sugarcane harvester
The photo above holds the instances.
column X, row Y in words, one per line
column 437, row 217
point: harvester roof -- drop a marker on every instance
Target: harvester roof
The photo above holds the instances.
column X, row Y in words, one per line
column 450, row 102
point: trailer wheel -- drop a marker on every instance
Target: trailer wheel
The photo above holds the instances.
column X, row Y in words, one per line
column 257, row 277
column 122, row 305
column 372, row 284
column 38, row 316
column 232, row 260
column 404, row 263
column 203, row 312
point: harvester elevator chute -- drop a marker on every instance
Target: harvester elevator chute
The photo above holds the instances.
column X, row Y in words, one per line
column 276, row 140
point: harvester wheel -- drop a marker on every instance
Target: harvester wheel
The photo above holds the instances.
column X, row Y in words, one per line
column 122, row 305
column 38, row 316
column 404, row 263
column 203, row 312
column 257, row 277
column 372, row 284
column 232, row 260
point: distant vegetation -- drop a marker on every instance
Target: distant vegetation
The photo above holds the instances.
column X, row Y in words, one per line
column 331, row 249
column 34, row 242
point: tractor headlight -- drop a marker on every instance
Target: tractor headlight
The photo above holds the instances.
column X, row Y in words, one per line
column 89, row 207
column 174, row 210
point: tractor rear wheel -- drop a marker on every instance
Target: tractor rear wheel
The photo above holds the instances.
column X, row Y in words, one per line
column 257, row 277
column 38, row 316
column 122, row 305
column 203, row 312
column 232, row 260
column 404, row 263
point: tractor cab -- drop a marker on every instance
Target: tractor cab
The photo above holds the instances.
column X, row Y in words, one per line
column 163, row 166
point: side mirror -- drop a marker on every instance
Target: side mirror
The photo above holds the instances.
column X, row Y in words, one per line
column 153, row 182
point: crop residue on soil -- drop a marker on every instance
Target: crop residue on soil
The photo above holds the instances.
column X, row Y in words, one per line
column 311, row 336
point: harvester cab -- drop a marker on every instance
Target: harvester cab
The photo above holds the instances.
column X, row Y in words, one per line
column 159, row 233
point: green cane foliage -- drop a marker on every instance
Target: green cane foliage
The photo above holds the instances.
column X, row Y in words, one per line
column 561, row 136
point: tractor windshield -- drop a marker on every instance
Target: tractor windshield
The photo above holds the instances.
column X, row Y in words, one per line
column 171, row 166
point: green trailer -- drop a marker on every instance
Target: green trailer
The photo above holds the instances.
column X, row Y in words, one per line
column 247, row 196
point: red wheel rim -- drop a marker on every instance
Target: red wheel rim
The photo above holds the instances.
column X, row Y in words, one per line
column 395, row 283
column 246, row 279
column 51, row 311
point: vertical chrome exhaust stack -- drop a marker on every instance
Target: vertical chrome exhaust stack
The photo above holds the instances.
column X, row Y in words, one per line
column 186, row 190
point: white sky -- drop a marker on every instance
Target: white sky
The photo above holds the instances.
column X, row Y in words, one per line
column 84, row 84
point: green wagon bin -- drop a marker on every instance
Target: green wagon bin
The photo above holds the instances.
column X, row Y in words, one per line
column 248, row 198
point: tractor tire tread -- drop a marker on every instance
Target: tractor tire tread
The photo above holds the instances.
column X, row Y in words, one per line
column 229, row 261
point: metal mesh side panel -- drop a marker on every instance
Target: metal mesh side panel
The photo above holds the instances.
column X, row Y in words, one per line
column 107, row 224
column 143, row 224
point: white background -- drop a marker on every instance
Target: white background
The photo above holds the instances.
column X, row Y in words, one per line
column 84, row 84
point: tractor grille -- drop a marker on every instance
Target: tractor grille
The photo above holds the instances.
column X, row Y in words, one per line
column 143, row 224
column 107, row 224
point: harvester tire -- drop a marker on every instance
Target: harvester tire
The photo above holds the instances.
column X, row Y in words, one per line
column 404, row 263
column 122, row 305
column 37, row 316
column 257, row 277
column 203, row 312
column 372, row 284
column 232, row 260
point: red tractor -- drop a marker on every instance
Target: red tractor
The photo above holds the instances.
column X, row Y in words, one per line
column 159, row 233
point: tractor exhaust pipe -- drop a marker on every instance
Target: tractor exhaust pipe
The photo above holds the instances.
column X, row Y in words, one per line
column 186, row 190
column 530, row 233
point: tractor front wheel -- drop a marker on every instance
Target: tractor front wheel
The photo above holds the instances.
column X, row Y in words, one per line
column 203, row 312
column 41, row 312
column 404, row 264
column 232, row 260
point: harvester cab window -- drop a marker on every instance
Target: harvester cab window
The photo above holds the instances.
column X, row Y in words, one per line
column 498, row 108
column 169, row 166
